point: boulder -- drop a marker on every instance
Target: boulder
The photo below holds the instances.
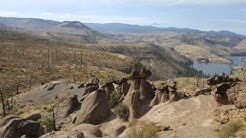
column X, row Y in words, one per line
column 95, row 108
column 119, row 130
column 31, row 128
column 34, row 117
column 237, row 95
column 63, row 134
column 11, row 129
column 89, row 130
column 15, row 127
column 74, row 105
column 138, row 98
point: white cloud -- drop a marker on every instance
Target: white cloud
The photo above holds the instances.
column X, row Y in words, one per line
column 8, row 13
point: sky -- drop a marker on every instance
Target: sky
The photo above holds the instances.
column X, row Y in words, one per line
column 197, row 14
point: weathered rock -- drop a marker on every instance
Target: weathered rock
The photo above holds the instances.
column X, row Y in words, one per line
column 237, row 95
column 92, row 86
column 140, row 74
column 51, row 86
column 216, row 79
column 109, row 87
column 95, row 108
column 74, row 105
column 31, row 128
column 89, row 130
column 34, row 117
column 225, row 115
column 161, row 95
column 64, row 134
column 119, row 130
column 138, row 98
column 15, row 127
column 11, row 129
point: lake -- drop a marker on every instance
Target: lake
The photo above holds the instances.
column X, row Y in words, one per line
column 216, row 68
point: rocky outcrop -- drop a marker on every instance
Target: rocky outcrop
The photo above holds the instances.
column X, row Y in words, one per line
column 217, row 79
column 139, row 95
column 95, row 108
column 89, row 130
column 161, row 95
column 225, row 115
column 15, row 127
column 34, row 117
column 74, row 105
column 64, row 134
column 92, row 86
column 219, row 86
column 237, row 95
column 109, row 87
column 79, row 131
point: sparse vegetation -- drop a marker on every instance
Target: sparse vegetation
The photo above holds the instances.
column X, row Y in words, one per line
column 234, row 128
column 142, row 129
column 48, row 124
column 114, row 99
column 122, row 112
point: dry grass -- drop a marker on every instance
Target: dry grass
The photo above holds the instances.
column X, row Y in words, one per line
column 142, row 129
column 234, row 128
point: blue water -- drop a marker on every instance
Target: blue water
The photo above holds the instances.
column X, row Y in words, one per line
column 216, row 68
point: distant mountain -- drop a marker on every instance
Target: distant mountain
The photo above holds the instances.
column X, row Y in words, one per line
column 70, row 30
column 127, row 28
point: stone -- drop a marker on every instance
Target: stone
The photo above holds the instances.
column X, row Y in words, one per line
column 138, row 98
column 95, row 108
column 119, row 130
column 34, row 117
column 89, row 130
column 237, row 95
column 74, row 105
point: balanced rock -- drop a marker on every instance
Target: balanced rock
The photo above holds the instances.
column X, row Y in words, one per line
column 95, row 108
column 138, row 98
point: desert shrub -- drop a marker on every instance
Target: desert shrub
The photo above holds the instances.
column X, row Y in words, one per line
column 114, row 99
column 122, row 112
column 142, row 129
column 48, row 124
column 233, row 128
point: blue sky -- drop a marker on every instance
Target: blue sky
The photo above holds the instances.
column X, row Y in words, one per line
column 198, row 14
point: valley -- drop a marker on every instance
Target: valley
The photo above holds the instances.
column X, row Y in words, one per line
column 73, row 79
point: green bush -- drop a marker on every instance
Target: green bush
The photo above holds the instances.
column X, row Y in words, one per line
column 114, row 99
column 48, row 124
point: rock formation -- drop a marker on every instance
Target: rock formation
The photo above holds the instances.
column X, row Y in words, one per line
column 161, row 95
column 95, row 108
column 92, row 86
column 219, row 86
column 74, row 105
column 140, row 94
column 237, row 95
column 15, row 127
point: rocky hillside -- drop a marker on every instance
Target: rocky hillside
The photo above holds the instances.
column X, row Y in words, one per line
column 131, row 106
